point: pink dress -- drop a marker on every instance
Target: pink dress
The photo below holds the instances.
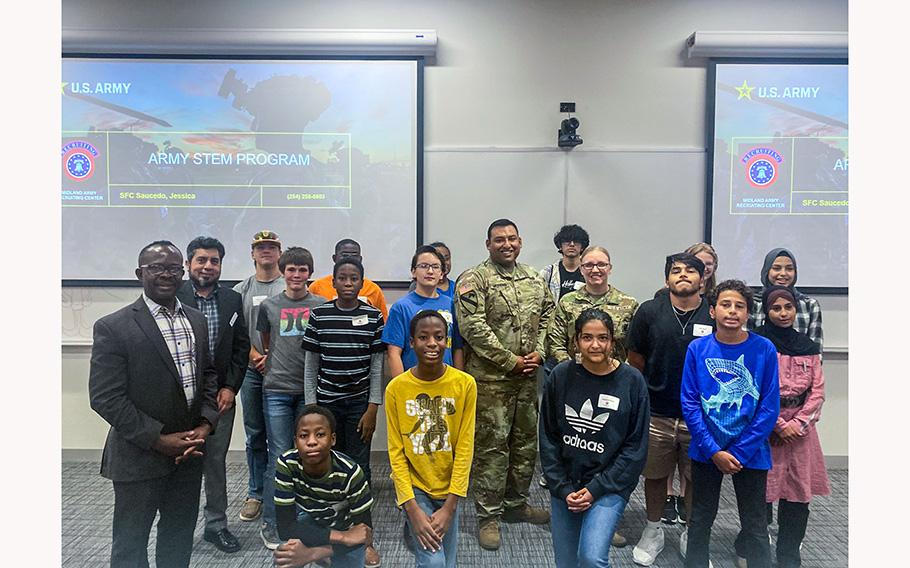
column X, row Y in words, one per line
column 798, row 468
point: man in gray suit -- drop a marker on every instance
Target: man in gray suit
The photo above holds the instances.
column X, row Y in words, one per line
column 152, row 379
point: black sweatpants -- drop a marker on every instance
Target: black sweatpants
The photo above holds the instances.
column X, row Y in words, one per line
column 749, row 485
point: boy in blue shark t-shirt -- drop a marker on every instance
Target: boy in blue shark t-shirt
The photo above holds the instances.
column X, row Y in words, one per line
column 730, row 401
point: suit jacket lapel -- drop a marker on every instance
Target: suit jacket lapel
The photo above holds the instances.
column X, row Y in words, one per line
column 224, row 319
column 149, row 326
column 186, row 294
column 199, row 327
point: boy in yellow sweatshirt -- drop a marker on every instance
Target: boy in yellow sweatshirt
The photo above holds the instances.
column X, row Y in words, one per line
column 430, row 417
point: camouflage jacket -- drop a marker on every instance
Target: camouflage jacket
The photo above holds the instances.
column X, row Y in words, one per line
column 501, row 316
column 561, row 333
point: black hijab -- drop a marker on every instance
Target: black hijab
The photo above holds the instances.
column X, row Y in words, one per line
column 766, row 268
column 786, row 340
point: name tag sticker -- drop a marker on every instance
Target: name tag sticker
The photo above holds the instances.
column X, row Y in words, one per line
column 258, row 300
column 700, row 330
column 446, row 315
column 233, row 319
column 360, row 320
column 608, row 402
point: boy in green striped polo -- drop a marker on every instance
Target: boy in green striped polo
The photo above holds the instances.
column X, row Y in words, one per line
column 322, row 498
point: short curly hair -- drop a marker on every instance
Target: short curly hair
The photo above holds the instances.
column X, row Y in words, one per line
column 574, row 233
column 316, row 409
column 736, row 286
column 424, row 314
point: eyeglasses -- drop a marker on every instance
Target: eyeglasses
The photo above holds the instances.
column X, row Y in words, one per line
column 425, row 266
column 597, row 265
column 159, row 269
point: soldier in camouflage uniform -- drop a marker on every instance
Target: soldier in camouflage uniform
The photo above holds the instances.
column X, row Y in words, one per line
column 596, row 293
column 503, row 309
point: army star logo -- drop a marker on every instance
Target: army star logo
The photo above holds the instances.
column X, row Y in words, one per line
column 744, row 90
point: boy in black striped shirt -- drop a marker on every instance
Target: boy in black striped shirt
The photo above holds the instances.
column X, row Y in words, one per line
column 343, row 368
column 322, row 498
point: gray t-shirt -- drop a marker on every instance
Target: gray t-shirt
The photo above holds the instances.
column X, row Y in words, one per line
column 286, row 321
column 254, row 292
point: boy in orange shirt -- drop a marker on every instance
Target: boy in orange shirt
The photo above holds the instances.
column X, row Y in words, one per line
column 371, row 293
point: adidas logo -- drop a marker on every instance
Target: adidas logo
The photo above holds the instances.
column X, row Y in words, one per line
column 577, row 442
column 585, row 420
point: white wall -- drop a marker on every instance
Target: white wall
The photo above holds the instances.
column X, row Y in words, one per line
column 491, row 114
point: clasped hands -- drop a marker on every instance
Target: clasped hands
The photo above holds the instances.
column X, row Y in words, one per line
column 294, row 554
column 429, row 529
column 579, row 501
column 726, row 462
column 183, row 445
column 788, row 434
column 528, row 364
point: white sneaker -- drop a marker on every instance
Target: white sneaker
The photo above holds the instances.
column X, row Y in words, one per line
column 650, row 545
column 269, row 536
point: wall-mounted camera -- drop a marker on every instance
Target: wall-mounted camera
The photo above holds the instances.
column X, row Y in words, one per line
column 567, row 136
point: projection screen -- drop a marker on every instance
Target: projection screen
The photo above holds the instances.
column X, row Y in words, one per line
column 779, row 169
column 315, row 150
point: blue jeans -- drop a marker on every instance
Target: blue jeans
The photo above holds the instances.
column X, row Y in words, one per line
column 583, row 539
column 254, row 426
column 342, row 556
column 281, row 412
column 348, row 556
column 347, row 439
column 445, row 556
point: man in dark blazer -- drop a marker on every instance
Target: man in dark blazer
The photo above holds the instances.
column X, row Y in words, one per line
column 152, row 379
column 229, row 344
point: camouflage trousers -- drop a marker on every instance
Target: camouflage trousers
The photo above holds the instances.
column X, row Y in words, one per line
column 505, row 445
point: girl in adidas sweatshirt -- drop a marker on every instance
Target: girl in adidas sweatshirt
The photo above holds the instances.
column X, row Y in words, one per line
column 593, row 443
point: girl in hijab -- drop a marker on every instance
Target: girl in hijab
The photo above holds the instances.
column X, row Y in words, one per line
column 779, row 269
column 798, row 472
